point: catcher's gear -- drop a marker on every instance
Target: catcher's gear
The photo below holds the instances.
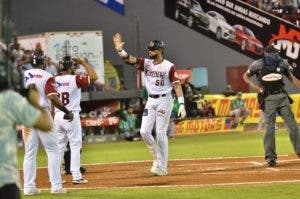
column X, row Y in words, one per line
column 156, row 45
column 66, row 63
column 181, row 111
column 38, row 58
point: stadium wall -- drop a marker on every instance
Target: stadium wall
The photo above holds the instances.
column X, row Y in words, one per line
column 144, row 20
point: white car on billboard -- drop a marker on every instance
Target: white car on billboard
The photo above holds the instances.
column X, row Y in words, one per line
column 219, row 26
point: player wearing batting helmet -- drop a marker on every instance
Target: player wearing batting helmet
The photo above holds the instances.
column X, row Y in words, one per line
column 161, row 77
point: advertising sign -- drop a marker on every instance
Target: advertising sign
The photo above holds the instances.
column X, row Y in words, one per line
column 206, row 125
column 239, row 26
column 221, row 105
column 88, row 44
column 116, row 5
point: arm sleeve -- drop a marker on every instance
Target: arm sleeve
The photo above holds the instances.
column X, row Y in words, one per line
column 254, row 68
column 50, row 87
column 140, row 64
column 82, row 80
column 173, row 75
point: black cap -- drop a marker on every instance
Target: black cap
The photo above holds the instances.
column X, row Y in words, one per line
column 270, row 49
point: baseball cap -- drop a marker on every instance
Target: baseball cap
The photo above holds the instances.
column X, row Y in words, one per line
column 239, row 93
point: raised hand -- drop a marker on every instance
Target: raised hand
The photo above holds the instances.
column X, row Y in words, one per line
column 78, row 60
column 118, row 41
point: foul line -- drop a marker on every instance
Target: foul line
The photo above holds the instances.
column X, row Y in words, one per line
column 174, row 186
column 188, row 159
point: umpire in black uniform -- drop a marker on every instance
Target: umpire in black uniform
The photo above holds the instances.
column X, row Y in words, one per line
column 273, row 97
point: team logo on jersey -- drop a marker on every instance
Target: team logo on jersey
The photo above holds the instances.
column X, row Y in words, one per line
column 29, row 76
column 152, row 73
column 59, row 84
column 272, row 77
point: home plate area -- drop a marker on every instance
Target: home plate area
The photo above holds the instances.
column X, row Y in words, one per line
column 188, row 172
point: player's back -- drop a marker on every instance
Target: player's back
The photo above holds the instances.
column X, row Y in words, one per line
column 38, row 78
column 69, row 91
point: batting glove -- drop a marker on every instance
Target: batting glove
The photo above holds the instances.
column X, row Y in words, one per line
column 181, row 111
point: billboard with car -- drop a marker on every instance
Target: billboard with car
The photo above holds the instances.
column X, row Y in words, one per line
column 239, row 26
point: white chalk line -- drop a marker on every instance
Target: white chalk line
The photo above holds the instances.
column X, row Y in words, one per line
column 195, row 185
column 182, row 186
column 188, row 159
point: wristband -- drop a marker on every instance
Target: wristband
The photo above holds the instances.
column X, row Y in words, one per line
column 181, row 100
column 122, row 53
column 65, row 110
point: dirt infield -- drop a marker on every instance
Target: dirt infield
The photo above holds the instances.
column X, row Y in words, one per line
column 199, row 172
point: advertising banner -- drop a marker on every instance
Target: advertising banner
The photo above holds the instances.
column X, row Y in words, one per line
column 108, row 121
column 239, row 26
column 205, row 125
column 88, row 44
column 221, row 105
column 184, row 74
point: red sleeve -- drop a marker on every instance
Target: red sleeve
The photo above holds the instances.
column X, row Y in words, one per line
column 82, row 80
column 173, row 74
column 50, row 87
column 140, row 64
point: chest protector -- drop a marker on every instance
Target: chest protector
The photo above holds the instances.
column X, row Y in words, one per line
column 271, row 76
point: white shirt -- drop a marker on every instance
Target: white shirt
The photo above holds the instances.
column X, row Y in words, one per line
column 69, row 89
column 44, row 83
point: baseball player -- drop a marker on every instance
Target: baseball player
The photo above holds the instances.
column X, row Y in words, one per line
column 161, row 77
column 69, row 87
column 44, row 82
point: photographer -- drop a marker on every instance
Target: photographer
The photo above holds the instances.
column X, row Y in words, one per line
column 15, row 109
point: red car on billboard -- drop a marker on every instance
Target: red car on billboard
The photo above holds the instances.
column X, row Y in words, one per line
column 247, row 40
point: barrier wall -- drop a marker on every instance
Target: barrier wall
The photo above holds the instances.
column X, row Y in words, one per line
column 205, row 126
column 221, row 105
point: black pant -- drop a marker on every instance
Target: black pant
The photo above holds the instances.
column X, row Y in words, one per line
column 10, row 191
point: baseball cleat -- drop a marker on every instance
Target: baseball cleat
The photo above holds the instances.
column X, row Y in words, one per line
column 271, row 162
column 32, row 192
column 79, row 181
column 59, row 191
column 159, row 172
column 154, row 166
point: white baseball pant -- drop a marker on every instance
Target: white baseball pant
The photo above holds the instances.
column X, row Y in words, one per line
column 72, row 132
column 49, row 141
column 157, row 111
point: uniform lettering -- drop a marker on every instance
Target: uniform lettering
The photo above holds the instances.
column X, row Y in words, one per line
column 65, row 97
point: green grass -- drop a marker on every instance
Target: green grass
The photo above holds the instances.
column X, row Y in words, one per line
column 185, row 147
column 276, row 191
